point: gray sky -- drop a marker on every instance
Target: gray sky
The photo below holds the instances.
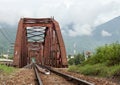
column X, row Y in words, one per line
column 84, row 14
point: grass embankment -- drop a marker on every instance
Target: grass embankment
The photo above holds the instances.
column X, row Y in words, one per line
column 6, row 69
column 104, row 63
column 100, row 70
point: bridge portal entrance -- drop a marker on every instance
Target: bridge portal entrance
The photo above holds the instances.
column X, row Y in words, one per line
column 40, row 41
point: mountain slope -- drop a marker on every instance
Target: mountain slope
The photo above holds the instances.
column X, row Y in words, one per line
column 106, row 33
column 112, row 27
column 7, row 36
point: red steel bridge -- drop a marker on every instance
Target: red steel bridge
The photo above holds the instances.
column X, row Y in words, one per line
column 40, row 41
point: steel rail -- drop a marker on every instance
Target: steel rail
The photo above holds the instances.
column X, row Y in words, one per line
column 42, row 70
column 71, row 78
column 28, row 66
column 37, row 76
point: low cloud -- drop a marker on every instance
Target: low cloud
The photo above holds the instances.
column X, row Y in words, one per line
column 80, row 30
column 105, row 33
column 85, row 14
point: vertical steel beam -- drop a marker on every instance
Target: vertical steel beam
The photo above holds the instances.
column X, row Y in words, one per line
column 61, row 43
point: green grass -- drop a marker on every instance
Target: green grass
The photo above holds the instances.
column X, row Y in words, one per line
column 100, row 70
column 6, row 69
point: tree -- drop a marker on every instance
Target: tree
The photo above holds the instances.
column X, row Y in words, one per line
column 71, row 61
column 78, row 59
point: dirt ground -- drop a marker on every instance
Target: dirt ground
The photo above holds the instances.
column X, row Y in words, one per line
column 26, row 77
column 21, row 77
column 95, row 80
column 54, row 79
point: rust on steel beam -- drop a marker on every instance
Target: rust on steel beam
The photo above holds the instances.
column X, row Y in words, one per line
column 20, row 47
column 33, row 24
column 41, row 40
column 61, row 42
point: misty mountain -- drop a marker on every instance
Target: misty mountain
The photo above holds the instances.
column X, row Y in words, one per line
column 106, row 33
column 109, row 30
column 7, row 37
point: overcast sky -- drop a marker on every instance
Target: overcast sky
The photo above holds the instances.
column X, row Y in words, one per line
column 83, row 14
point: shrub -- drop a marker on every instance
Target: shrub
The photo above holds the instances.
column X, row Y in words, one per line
column 104, row 62
column 109, row 54
column 78, row 59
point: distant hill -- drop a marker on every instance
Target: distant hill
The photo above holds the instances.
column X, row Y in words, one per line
column 106, row 33
column 109, row 30
column 7, row 36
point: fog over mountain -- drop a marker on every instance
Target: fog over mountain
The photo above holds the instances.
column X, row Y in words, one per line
column 79, row 20
column 106, row 33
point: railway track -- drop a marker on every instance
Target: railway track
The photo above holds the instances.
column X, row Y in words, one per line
column 50, row 76
column 38, row 79
column 71, row 78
